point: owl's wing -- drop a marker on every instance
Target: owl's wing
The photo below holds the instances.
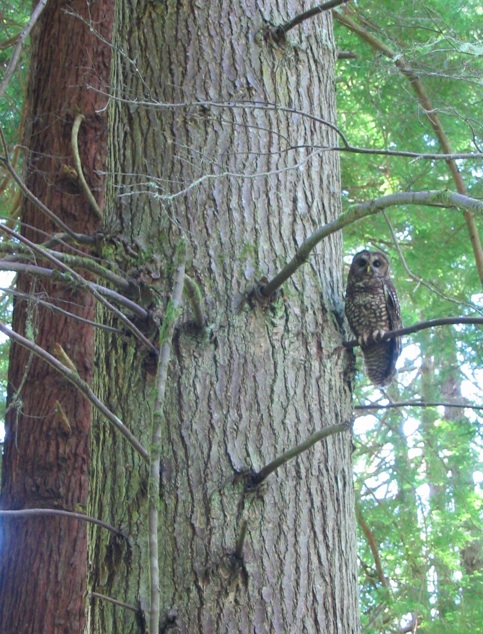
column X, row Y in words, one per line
column 393, row 312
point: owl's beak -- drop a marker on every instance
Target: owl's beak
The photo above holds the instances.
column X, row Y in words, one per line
column 368, row 268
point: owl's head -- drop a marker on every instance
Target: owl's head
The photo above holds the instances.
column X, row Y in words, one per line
column 369, row 264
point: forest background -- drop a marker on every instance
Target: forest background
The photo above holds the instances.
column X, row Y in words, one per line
column 418, row 453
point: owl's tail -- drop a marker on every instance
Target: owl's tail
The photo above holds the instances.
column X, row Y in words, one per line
column 380, row 362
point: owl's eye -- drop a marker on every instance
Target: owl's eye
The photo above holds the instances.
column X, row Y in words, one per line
column 362, row 262
column 377, row 263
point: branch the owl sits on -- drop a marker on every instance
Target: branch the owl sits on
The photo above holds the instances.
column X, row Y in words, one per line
column 372, row 308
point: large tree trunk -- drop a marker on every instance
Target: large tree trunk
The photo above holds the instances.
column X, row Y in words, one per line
column 46, row 460
column 258, row 380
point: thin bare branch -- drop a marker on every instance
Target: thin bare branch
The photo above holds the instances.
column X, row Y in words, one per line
column 422, row 325
column 255, row 105
column 27, row 513
column 256, row 478
column 80, row 384
column 375, row 406
column 429, row 156
column 280, row 31
column 232, row 105
column 258, row 105
column 56, row 309
column 240, row 542
column 39, row 7
column 66, row 240
column 121, row 604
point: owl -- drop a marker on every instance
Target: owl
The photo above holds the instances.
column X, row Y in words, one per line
column 372, row 307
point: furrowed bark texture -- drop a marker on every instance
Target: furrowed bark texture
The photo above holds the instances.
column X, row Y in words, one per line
column 259, row 379
column 46, row 459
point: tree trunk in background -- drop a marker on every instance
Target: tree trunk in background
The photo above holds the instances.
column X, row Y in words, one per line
column 258, row 380
column 46, row 461
column 405, row 515
column 462, row 462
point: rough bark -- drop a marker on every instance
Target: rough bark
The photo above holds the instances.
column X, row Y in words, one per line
column 46, row 460
column 259, row 379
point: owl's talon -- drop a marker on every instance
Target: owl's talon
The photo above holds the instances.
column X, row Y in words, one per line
column 377, row 335
column 369, row 338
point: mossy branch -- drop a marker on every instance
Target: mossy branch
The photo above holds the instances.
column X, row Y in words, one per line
column 254, row 479
column 193, row 294
column 83, row 284
column 240, row 542
column 363, row 210
column 85, row 263
column 165, row 339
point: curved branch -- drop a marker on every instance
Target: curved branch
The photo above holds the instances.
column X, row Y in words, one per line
column 242, row 104
column 78, row 166
column 60, row 513
column 362, row 210
column 80, row 384
column 422, row 325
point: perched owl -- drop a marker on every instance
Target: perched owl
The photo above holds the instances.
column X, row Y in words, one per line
column 372, row 307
